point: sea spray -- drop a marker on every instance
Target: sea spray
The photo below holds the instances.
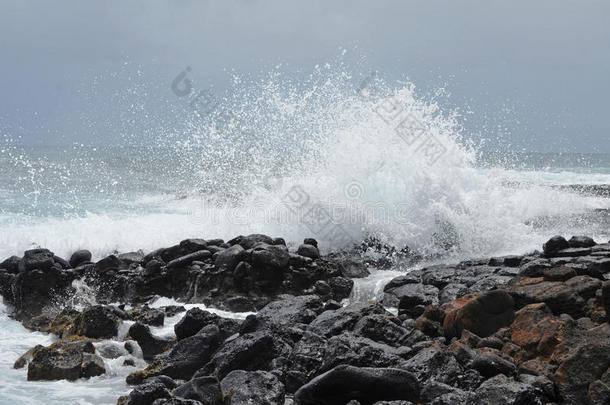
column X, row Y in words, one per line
column 209, row 176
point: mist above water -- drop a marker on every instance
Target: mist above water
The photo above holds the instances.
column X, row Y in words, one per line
column 336, row 157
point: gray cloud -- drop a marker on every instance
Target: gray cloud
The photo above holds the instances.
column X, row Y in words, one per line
column 534, row 74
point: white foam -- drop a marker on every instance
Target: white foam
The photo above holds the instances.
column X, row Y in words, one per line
column 370, row 288
column 167, row 330
column 15, row 389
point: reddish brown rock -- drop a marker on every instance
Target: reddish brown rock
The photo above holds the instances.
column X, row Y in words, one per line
column 537, row 367
column 523, row 331
column 483, row 315
column 458, row 303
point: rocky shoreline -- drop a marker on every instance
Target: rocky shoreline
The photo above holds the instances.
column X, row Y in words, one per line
column 529, row 329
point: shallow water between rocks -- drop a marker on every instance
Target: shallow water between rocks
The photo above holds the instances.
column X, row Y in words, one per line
column 104, row 390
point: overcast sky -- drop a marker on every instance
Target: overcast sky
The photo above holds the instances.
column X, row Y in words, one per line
column 534, row 74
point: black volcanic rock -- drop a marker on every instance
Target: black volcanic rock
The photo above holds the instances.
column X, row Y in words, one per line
column 310, row 241
column 435, row 362
column 238, row 303
column 229, row 258
column 466, row 345
column 288, row 311
column 352, row 268
column 65, row 360
column 150, row 345
column 410, row 295
column 148, row 316
column 330, row 323
column 252, row 387
column 363, row 384
column 176, row 401
column 308, row 251
column 196, row 319
column 205, row 390
column 490, row 362
column 535, row 268
column 573, row 252
column 192, row 245
column 152, row 267
column 145, row 394
column 184, row 358
column 554, row 245
column 36, row 259
column 11, row 265
column 341, row 287
column 186, row 260
column 39, row 283
column 96, row 322
column 561, row 273
column 581, row 242
column 184, row 248
column 250, row 241
column 108, row 264
column 270, row 257
column 381, row 328
column 250, row 351
column 505, row 390
column 190, row 354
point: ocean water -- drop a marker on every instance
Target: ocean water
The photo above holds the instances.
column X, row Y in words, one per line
column 105, row 389
column 317, row 159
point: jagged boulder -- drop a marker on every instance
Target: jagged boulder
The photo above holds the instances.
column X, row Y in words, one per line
column 39, row 282
column 411, row 298
column 490, row 362
column 65, row 360
column 97, row 322
column 185, row 357
column 250, row 351
column 11, row 265
column 288, row 311
column 567, row 297
column 147, row 315
column 330, row 323
column 506, row 390
column 205, row 390
column 252, row 387
column 145, row 394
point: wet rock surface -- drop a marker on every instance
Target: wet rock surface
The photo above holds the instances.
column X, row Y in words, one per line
column 259, row 387
column 64, row 360
column 529, row 329
column 363, row 384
